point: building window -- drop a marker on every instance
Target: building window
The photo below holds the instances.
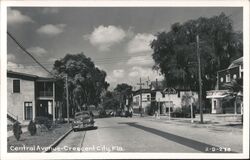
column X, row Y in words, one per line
column 221, row 79
column 16, row 86
column 148, row 97
column 235, row 76
column 228, row 79
column 179, row 94
column 28, row 112
column 163, row 95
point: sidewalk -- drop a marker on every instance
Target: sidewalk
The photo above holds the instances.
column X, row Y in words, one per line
column 226, row 122
column 39, row 142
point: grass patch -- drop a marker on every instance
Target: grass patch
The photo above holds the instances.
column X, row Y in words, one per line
column 36, row 143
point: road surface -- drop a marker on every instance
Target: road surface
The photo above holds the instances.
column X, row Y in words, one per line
column 137, row 134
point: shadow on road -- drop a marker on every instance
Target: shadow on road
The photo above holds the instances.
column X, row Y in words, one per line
column 199, row 146
column 87, row 129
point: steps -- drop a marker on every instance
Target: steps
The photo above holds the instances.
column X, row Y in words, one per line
column 12, row 118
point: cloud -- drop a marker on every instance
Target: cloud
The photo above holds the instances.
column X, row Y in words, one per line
column 51, row 30
column 104, row 37
column 12, row 65
column 140, row 43
column 11, row 57
column 50, row 10
column 37, row 51
column 118, row 73
column 141, row 60
column 16, row 17
column 143, row 72
column 111, row 79
column 115, row 75
column 38, row 71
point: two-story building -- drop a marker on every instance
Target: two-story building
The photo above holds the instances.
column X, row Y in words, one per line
column 156, row 99
column 218, row 97
column 141, row 98
column 30, row 96
column 167, row 101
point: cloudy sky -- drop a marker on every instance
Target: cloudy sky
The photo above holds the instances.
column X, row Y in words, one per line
column 116, row 39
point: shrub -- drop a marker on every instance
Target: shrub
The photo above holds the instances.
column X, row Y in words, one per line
column 45, row 121
column 32, row 128
column 17, row 130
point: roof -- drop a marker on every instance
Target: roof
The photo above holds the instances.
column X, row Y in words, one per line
column 236, row 63
column 26, row 76
column 217, row 93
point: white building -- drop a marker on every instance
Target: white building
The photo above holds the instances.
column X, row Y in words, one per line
column 144, row 103
column 173, row 101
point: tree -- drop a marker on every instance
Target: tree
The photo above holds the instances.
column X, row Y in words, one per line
column 110, row 101
column 174, row 52
column 124, row 90
column 86, row 82
column 235, row 88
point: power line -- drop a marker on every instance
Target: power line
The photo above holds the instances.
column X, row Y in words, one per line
column 9, row 34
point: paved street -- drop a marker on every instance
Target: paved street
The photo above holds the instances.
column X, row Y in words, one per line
column 143, row 135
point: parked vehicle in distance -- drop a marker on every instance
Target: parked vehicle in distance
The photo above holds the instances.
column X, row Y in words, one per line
column 128, row 114
column 96, row 113
column 83, row 120
column 103, row 114
column 123, row 114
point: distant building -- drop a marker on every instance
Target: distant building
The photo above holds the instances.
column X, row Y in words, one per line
column 219, row 95
column 145, row 102
column 30, row 96
column 165, row 101
column 155, row 99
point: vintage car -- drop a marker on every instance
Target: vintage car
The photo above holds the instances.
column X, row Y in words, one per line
column 83, row 120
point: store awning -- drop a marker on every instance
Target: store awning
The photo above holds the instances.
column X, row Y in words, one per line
column 217, row 94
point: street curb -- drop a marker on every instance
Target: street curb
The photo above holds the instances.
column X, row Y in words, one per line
column 57, row 141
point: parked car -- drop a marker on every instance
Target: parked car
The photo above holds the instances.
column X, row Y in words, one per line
column 182, row 114
column 83, row 120
column 128, row 114
column 123, row 114
column 96, row 114
column 103, row 114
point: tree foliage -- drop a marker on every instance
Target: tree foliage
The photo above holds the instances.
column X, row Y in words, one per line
column 175, row 55
column 110, row 101
column 86, row 82
column 124, row 91
column 116, row 99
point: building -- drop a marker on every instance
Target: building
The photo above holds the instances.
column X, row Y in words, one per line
column 144, row 102
column 219, row 96
column 157, row 99
column 30, row 96
column 173, row 101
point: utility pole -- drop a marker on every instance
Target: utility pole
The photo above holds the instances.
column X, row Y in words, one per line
column 148, row 82
column 140, row 107
column 200, row 83
column 67, row 97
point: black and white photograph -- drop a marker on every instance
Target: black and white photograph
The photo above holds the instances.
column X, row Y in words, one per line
column 121, row 79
